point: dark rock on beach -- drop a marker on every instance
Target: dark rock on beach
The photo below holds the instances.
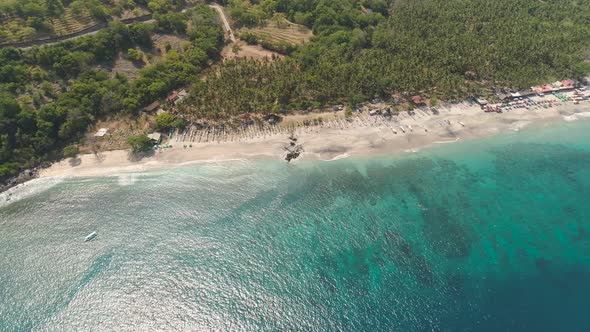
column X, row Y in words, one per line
column 23, row 177
column 293, row 150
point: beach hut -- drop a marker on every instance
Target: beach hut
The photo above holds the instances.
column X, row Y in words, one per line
column 273, row 118
column 155, row 138
column 481, row 101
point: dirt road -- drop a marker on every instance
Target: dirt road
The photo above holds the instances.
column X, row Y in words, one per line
column 226, row 25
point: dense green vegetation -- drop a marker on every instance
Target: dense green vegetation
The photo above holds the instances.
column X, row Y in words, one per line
column 366, row 48
column 42, row 9
column 167, row 121
column 50, row 95
column 25, row 20
column 139, row 143
column 361, row 49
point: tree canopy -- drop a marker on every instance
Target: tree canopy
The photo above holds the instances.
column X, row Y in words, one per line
column 139, row 143
column 362, row 49
column 50, row 95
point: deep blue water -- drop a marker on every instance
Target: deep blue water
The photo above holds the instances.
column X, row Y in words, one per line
column 487, row 235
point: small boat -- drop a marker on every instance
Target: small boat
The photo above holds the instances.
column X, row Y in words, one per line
column 90, row 236
column 461, row 123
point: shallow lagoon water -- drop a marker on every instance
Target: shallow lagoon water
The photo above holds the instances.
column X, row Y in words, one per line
column 485, row 235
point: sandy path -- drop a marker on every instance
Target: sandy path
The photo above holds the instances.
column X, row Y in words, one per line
column 226, row 25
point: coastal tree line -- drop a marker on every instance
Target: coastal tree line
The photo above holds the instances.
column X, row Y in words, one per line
column 361, row 49
column 50, row 95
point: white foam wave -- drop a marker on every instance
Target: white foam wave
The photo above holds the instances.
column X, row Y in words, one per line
column 127, row 179
column 518, row 125
column 576, row 117
column 338, row 157
column 447, row 142
column 28, row 189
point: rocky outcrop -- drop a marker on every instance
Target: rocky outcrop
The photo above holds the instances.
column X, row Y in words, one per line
column 23, row 177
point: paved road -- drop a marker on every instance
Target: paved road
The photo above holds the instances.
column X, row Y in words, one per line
column 226, row 25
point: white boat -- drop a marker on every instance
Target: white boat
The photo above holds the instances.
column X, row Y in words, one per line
column 90, row 236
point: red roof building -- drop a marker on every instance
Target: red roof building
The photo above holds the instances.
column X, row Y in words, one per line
column 151, row 107
column 547, row 88
column 172, row 97
column 568, row 84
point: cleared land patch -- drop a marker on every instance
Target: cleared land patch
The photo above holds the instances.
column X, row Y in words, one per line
column 284, row 31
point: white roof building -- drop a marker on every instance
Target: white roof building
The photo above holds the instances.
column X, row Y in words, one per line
column 155, row 137
column 101, row 132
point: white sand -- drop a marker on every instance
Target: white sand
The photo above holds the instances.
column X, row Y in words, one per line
column 330, row 143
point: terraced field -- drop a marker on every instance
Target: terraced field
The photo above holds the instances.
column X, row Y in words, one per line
column 15, row 29
column 287, row 32
column 71, row 23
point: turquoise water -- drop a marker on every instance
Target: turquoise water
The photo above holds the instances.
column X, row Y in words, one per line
column 487, row 235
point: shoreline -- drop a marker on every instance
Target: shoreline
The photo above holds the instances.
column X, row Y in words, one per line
column 362, row 136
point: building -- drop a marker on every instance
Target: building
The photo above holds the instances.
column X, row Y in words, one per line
column 172, row 98
column 505, row 97
column 181, row 95
column 156, row 138
column 101, row 132
column 526, row 93
column 481, row 101
column 151, row 107
column 417, row 101
column 273, row 119
column 567, row 85
column 564, row 85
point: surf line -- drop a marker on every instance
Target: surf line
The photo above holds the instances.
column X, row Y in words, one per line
column 446, row 142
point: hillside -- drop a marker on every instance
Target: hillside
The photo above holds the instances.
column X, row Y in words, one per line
column 50, row 96
column 29, row 20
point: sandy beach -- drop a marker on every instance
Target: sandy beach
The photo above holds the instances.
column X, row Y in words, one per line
column 362, row 135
